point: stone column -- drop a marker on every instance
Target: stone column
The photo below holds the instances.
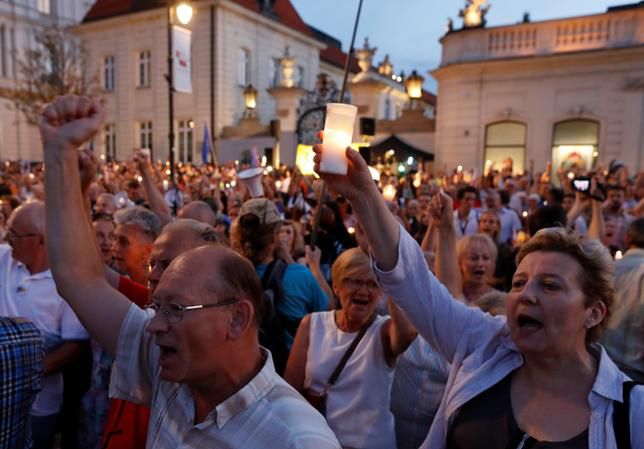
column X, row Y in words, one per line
column 287, row 101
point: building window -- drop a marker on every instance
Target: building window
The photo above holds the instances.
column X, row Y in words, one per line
column 505, row 144
column 299, row 82
column 144, row 68
column 575, row 146
column 44, row 6
column 273, row 72
column 110, row 142
column 3, row 51
column 108, row 74
column 185, row 138
column 145, row 135
column 387, row 108
column 243, row 67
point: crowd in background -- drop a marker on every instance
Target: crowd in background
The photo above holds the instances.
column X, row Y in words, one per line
column 134, row 203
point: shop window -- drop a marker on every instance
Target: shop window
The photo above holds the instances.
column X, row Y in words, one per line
column 505, row 144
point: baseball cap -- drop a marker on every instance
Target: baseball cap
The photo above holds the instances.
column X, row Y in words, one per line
column 263, row 209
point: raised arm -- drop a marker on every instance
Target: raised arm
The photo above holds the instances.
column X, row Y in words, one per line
column 67, row 123
column 155, row 198
column 446, row 265
column 380, row 226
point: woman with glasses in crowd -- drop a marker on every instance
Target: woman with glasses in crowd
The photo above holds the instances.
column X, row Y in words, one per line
column 533, row 378
column 357, row 402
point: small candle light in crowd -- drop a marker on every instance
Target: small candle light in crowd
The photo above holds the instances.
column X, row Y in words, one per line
column 116, row 167
column 619, row 255
column 338, row 134
column 228, row 185
column 278, row 184
column 525, row 213
column 264, row 161
column 571, row 175
column 410, row 160
column 351, row 230
column 233, row 183
column 165, row 184
column 167, row 172
column 139, row 178
column 269, row 168
column 595, row 154
column 31, row 176
column 102, row 157
column 459, row 169
column 545, row 203
column 389, row 192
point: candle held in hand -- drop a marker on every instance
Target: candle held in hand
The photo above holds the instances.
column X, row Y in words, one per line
column 338, row 134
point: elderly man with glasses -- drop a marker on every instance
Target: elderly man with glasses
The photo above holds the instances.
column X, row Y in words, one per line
column 197, row 362
column 27, row 290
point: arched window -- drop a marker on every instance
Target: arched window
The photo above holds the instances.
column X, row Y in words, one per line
column 574, row 145
column 505, row 142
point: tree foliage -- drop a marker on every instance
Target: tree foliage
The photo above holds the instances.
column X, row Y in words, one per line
column 56, row 64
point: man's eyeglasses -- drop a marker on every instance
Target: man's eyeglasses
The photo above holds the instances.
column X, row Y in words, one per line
column 14, row 235
column 357, row 283
column 174, row 312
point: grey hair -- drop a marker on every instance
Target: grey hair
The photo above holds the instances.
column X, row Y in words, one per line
column 202, row 231
column 147, row 221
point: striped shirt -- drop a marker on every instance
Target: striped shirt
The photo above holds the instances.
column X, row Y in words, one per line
column 265, row 413
column 21, row 371
column 419, row 381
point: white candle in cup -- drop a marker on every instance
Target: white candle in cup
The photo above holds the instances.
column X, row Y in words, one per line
column 338, row 135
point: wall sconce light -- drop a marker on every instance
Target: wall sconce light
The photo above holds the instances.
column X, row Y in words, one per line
column 250, row 98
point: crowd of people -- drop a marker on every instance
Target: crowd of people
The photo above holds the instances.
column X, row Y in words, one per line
column 148, row 307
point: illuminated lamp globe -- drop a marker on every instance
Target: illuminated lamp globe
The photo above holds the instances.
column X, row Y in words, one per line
column 184, row 13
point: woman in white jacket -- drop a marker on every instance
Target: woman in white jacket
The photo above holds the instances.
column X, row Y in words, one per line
column 532, row 379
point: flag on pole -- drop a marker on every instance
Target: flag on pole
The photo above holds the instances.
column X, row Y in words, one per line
column 206, row 147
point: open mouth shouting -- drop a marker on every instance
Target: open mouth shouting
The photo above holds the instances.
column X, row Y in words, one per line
column 528, row 324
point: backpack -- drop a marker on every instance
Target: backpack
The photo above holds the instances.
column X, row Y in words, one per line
column 621, row 422
column 275, row 325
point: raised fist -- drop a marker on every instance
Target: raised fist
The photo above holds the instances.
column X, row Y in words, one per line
column 441, row 210
column 70, row 121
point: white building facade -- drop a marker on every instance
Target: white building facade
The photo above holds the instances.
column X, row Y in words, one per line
column 19, row 19
column 232, row 46
column 570, row 91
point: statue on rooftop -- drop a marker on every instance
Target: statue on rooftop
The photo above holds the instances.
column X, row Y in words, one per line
column 474, row 13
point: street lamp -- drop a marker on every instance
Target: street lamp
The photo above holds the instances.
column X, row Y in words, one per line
column 414, row 86
column 250, row 98
column 183, row 12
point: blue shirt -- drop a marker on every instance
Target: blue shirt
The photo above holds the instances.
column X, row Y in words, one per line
column 302, row 293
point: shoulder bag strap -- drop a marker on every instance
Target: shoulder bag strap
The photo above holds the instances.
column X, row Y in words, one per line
column 347, row 355
column 621, row 418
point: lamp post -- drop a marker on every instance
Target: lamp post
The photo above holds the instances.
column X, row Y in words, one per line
column 250, row 99
column 183, row 12
column 414, row 86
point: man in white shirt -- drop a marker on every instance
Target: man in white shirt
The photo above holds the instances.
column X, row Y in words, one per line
column 196, row 358
column 466, row 219
column 510, row 223
column 27, row 290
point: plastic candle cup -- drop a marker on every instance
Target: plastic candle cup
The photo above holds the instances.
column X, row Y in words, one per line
column 338, row 135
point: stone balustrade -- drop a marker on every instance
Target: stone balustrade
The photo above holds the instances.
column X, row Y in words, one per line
column 614, row 29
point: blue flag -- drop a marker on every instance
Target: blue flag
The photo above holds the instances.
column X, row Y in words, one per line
column 206, row 147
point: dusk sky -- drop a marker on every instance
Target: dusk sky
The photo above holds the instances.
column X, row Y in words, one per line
column 409, row 30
